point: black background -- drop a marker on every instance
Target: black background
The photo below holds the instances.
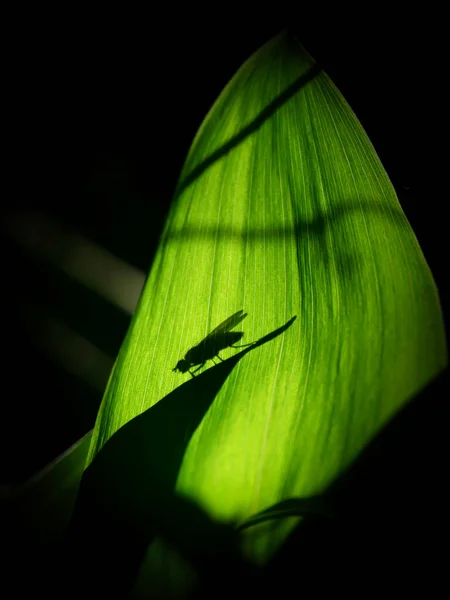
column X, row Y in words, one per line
column 101, row 111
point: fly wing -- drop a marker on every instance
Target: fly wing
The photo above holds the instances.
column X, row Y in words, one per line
column 228, row 324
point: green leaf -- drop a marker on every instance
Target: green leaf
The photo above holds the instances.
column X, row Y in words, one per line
column 282, row 209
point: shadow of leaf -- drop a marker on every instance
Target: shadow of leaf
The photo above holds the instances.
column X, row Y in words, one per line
column 126, row 495
column 389, row 507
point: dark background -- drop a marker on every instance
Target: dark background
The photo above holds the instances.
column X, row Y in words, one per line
column 101, row 111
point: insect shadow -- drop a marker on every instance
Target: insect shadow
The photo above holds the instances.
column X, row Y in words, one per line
column 220, row 338
column 127, row 494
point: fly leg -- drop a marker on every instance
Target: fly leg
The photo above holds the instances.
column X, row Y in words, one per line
column 192, row 372
column 217, row 356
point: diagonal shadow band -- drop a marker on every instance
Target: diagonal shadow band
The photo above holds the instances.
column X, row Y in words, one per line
column 126, row 494
column 257, row 122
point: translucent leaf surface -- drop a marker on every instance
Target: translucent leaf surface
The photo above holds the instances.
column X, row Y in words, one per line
column 282, row 209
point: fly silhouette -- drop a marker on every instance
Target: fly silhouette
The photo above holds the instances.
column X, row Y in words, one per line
column 220, row 338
